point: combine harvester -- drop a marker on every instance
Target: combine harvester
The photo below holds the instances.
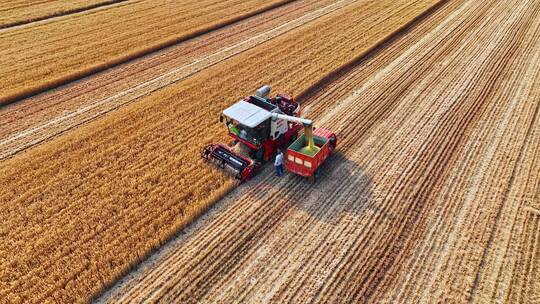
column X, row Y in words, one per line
column 259, row 126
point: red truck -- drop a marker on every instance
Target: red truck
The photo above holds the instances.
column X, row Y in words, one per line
column 305, row 164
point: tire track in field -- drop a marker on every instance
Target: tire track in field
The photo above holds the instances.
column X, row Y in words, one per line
column 503, row 274
column 523, row 286
column 26, row 138
column 268, row 240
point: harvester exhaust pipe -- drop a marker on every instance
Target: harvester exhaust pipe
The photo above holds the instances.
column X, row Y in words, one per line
column 263, row 91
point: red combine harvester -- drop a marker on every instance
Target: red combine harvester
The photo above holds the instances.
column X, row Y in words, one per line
column 259, row 125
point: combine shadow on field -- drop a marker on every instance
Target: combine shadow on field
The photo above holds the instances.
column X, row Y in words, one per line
column 342, row 188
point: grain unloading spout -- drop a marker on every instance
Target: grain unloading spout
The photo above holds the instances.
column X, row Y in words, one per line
column 310, row 148
column 292, row 119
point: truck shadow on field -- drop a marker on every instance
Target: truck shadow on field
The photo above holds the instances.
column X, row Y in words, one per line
column 343, row 187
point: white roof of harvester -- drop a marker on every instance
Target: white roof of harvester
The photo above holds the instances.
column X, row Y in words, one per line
column 247, row 114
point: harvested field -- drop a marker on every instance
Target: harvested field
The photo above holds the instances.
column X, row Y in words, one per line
column 433, row 195
column 127, row 185
column 77, row 45
column 18, row 12
column 525, row 284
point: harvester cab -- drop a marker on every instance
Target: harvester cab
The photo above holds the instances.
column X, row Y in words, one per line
column 260, row 125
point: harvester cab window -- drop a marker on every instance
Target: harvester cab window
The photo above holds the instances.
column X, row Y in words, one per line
column 262, row 131
column 256, row 135
column 233, row 127
column 243, row 134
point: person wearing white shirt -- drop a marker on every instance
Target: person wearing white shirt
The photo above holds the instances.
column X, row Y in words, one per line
column 279, row 163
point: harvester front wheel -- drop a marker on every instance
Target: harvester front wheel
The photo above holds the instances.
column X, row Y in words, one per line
column 259, row 155
column 205, row 151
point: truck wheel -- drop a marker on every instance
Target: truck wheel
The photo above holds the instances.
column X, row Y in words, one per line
column 317, row 174
column 332, row 144
column 313, row 179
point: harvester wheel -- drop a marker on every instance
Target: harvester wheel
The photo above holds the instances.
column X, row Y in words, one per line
column 205, row 151
column 259, row 155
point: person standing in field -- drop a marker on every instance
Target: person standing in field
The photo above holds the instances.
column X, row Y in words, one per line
column 279, row 163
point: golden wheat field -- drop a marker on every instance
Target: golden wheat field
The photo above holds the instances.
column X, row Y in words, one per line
column 79, row 44
column 20, row 12
column 433, row 194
